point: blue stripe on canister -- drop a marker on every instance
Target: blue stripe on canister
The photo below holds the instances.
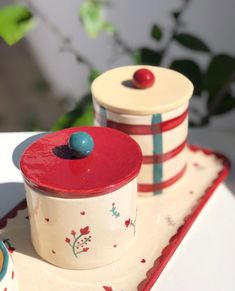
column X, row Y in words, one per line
column 103, row 114
column 157, row 149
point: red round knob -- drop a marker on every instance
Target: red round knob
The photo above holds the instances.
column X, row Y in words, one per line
column 143, row 78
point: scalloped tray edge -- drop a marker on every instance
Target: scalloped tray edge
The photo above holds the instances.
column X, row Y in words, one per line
column 160, row 263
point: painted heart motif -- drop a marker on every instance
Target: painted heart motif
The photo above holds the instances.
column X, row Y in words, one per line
column 127, row 222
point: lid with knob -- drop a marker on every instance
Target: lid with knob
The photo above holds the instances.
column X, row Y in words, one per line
column 81, row 162
column 141, row 90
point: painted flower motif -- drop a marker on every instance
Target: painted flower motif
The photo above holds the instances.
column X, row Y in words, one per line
column 79, row 241
column 127, row 222
column 131, row 223
column 67, row 240
column 9, row 246
column 114, row 211
column 107, row 288
column 73, row 232
column 84, row 230
column 11, row 250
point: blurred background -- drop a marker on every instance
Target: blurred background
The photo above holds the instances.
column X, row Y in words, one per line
column 50, row 51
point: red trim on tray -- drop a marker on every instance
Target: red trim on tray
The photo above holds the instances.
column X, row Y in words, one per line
column 162, row 185
column 165, row 156
column 153, row 274
column 134, row 129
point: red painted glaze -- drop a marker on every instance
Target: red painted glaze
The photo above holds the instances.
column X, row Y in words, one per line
column 162, row 185
column 160, row 262
column 115, row 161
column 135, row 129
column 143, row 79
column 166, row 156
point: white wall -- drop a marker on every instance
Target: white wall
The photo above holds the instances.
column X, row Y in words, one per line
column 213, row 20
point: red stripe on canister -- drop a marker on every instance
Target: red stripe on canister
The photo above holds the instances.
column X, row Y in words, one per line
column 164, row 157
column 162, row 185
column 134, row 129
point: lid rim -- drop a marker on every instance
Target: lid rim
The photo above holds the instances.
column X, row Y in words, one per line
column 74, row 194
column 43, row 175
column 136, row 112
column 164, row 78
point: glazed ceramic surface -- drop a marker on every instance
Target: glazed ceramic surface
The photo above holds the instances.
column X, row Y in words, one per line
column 83, row 212
column 163, row 221
column 83, row 233
column 7, row 269
column 156, row 118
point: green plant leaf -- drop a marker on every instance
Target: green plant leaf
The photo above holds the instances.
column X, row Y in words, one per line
column 147, row 56
column 220, row 73
column 191, row 70
column 108, row 27
column 86, row 118
column 226, row 104
column 78, row 113
column 92, row 17
column 191, row 42
column 93, row 75
column 15, row 22
column 156, row 32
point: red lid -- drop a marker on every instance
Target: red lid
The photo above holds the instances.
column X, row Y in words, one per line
column 48, row 164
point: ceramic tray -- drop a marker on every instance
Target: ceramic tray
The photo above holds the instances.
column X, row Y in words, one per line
column 163, row 221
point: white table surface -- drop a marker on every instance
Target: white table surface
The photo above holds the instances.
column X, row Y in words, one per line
column 205, row 259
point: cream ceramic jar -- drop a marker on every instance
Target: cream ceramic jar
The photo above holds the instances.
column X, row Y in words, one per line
column 7, row 269
column 155, row 116
column 82, row 209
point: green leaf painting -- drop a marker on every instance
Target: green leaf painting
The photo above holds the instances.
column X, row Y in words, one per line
column 15, row 22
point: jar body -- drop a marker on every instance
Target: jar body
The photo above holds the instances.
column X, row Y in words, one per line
column 163, row 141
column 83, row 233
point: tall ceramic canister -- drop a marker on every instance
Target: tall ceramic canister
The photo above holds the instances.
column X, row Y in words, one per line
column 81, row 192
column 151, row 105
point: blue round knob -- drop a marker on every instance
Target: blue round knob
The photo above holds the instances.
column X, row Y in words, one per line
column 81, row 144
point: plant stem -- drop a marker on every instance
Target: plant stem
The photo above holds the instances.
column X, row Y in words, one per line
column 66, row 42
column 219, row 96
column 121, row 43
column 176, row 25
column 74, row 244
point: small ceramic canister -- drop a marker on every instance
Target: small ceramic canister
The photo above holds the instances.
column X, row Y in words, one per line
column 151, row 105
column 7, row 269
column 81, row 193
